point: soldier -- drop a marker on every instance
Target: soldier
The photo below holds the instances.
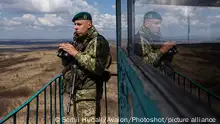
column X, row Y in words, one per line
column 148, row 40
column 90, row 50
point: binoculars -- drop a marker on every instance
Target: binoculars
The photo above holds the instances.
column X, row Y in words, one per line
column 173, row 50
column 62, row 54
column 168, row 57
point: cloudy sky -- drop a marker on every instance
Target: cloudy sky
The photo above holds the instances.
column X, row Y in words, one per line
column 205, row 24
column 52, row 18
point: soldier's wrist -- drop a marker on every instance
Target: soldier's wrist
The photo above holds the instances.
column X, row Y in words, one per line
column 74, row 53
column 77, row 56
column 163, row 50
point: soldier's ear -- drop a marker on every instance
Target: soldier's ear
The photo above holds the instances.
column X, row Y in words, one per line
column 89, row 24
column 146, row 23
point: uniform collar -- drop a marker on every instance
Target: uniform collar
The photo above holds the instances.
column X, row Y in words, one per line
column 92, row 32
column 146, row 33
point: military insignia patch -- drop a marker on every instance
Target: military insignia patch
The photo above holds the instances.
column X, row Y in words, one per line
column 84, row 16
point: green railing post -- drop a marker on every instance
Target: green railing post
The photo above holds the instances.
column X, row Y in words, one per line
column 178, row 79
column 45, row 109
column 50, row 104
column 209, row 93
column 14, row 118
column 61, row 100
column 184, row 82
column 190, row 87
column 37, row 102
column 36, row 96
column 55, row 101
column 174, row 76
column 28, row 110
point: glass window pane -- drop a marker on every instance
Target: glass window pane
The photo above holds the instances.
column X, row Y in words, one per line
column 124, row 24
column 194, row 29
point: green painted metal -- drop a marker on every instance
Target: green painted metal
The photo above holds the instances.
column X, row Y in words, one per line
column 55, row 101
column 36, row 96
column 37, row 102
column 28, row 110
column 50, row 104
column 196, row 84
column 209, row 93
column 45, row 110
column 61, row 100
column 133, row 102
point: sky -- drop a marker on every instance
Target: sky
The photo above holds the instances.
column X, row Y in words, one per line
column 51, row 19
column 204, row 21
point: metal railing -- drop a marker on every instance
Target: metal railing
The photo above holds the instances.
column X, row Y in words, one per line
column 196, row 85
column 52, row 111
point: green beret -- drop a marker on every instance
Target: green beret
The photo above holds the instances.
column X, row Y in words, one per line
column 82, row 16
column 152, row 15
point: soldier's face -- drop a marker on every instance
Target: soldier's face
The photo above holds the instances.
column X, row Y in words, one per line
column 82, row 26
column 153, row 25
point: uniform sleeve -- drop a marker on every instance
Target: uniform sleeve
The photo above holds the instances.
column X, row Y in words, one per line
column 145, row 51
column 150, row 55
column 95, row 60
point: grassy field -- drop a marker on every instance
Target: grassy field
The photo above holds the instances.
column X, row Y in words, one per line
column 22, row 74
column 200, row 62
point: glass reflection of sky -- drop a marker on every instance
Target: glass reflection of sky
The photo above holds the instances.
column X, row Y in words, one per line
column 204, row 24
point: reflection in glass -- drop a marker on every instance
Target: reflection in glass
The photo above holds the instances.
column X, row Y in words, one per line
column 194, row 29
column 149, row 45
column 124, row 24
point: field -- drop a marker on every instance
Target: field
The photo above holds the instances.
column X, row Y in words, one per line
column 200, row 62
column 25, row 70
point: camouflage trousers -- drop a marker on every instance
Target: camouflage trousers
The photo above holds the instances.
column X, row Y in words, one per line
column 87, row 106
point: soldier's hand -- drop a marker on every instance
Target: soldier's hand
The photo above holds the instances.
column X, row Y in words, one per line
column 68, row 48
column 166, row 46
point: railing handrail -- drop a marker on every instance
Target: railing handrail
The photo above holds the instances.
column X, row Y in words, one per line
column 198, row 85
column 29, row 100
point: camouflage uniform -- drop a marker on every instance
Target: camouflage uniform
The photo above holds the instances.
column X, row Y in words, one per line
column 144, row 46
column 91, row 64
column 147, row 46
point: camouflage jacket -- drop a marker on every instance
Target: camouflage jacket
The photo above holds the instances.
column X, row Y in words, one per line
column 91, row 59
column 144, row 46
